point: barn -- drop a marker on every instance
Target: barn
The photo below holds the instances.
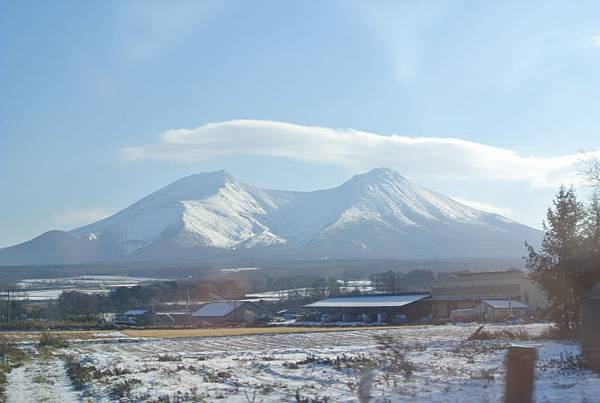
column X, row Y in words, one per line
column 459, row 292
column 226, row 312
column 372, row 308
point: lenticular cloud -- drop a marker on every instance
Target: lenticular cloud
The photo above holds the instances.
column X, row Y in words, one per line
column 448, row 157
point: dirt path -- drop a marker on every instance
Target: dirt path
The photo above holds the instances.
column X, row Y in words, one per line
column 41, row 380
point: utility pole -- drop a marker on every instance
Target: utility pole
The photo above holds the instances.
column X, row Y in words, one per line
column 187, row 306
column 8, row 305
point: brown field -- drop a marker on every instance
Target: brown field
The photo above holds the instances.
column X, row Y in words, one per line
column 238, row 331
column 64, row 334
column 176, row 333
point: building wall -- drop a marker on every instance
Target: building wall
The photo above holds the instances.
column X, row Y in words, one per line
column 442, row 309
column 413, row 312
column 242, row 314
column 466, row 290
column 490, row 313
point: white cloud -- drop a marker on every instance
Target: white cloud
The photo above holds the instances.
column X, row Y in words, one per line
column 594, row 41
column 438, row 157
column 490, row 208
column 82, row 216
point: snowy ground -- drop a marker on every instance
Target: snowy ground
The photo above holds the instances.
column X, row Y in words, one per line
column 314, row 366
column 41, row 380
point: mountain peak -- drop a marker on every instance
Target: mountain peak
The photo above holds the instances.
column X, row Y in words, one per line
column 214, row 179
column 221, row 174
column 378, row 175
column 377, row 214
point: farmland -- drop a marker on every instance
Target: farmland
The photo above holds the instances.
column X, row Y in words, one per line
column 436, row 363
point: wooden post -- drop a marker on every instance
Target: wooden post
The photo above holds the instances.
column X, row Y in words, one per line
column 590, row 328
column 520, row 374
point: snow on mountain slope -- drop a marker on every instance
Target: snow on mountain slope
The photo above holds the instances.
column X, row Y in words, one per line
column 378, row 214
column 205, row 210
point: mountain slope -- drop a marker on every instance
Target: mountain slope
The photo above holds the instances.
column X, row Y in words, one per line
column 212, row 215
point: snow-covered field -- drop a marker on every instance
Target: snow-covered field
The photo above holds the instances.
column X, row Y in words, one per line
column 287, row 367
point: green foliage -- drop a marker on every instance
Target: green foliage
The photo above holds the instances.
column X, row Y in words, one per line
column 12, row 354
column 74, row 303
column 568, row 264
column 124, row 298
column 41, row 379
column 12, row 357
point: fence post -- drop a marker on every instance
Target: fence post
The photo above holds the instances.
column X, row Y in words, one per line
column 520, row 374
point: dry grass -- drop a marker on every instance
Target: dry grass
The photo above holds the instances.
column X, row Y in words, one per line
column 240, row 331
column 64, row 334
column 179, row 333
column 502, row 334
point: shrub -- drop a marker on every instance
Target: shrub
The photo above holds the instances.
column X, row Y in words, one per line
column 393, row 356
column 502, row 334
column 48, row 339
column 169, row 357
column 12, row 353
column 484, row 375
column 304, row 399
column 218, row 377
column 123, row 388
column 41, row 379
column 77, row 372
column 554, row 333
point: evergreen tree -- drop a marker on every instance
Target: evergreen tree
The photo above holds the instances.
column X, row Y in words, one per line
column 590, row 270
column 558, row 267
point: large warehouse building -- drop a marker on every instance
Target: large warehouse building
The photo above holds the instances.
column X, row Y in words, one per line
column 378, row 308
column 460, row 291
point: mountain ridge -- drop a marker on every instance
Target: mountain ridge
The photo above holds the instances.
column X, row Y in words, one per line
column 378, row 214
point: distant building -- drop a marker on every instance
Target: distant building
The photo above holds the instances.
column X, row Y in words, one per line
column 135, row 317
column 226, row 311
column 459, row 291
column 381, row 308
column 173, row 318
column 495, row 310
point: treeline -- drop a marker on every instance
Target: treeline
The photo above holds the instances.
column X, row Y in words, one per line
column 395, row 281
column 76, row 306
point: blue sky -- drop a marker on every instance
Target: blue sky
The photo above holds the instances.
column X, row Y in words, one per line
column 489, row 102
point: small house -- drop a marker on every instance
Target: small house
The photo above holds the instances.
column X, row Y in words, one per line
column 135, row 317
column 495, row 310
column 226, row 312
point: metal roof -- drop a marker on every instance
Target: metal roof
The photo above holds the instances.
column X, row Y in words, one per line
column 134, row 312
column 505, row 304
column 368, row 301
column 216, row 309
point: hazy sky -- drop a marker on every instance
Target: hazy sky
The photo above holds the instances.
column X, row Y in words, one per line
column 104, row 102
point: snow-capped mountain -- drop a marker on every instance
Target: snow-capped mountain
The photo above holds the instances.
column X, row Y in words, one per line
column 378, row 214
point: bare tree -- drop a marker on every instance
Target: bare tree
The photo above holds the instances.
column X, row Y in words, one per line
column 590, row 171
